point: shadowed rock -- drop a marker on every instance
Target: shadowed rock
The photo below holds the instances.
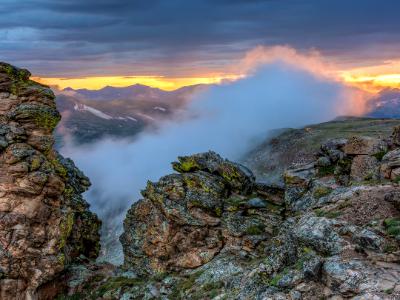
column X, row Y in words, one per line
column 45, row 223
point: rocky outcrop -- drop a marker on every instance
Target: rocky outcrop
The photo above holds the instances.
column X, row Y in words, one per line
column 186, row 219
column 212, row 232
column 44, row 221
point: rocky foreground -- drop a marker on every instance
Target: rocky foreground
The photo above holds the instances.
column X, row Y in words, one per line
column 45, row 225
column 211, row 231
column 207, row 231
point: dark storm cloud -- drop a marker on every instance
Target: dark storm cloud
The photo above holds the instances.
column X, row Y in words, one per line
column 72, row 37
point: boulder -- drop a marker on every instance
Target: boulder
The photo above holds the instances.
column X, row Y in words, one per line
column 186, row 219
column 274, row 193
column 396, row 136
column 360, row 145
column 364, row 167
column 299, row 175
column 390, row 161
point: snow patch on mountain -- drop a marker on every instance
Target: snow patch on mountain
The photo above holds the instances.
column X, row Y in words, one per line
column 96, row 112
column 160, row 108
column 145, row 116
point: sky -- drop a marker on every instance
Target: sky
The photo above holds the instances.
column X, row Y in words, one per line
column 171, row 43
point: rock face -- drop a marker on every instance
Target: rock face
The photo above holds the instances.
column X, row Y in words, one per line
column 44, row 221
column 186, row 219
column 211, row 232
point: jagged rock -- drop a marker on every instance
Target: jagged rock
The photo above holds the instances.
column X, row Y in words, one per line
column 320, row 234
column 396, row 136
column 364, row 146
column 272, row 192
column 394, row 198
column 390, row 162
column 333, row 150
column 364, row 167
column 323, row 161
column 299, row 175
column 186, row 219
column 196, row 235
column 45, row 223
column 237, row 176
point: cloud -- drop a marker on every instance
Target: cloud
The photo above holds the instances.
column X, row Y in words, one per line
column 163, row 37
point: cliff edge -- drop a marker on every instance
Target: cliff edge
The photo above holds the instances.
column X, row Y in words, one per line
column 45, row 224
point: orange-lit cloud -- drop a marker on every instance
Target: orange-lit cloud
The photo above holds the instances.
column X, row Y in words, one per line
column 370, row 79
column 376, row 77
column 312, row 61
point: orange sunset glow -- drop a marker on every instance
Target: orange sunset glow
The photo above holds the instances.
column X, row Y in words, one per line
column 164, row 83
column 372, row 83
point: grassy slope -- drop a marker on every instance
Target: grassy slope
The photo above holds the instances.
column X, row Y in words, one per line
column 270, row 158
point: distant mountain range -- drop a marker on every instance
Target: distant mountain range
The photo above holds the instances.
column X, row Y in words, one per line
column 89, row 115
column 386, row 104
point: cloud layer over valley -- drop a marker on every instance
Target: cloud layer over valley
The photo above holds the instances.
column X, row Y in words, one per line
column 229, row 119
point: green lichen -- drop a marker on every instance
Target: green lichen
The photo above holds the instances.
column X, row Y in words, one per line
column 380, row 154
column 178, row 292
column 61, row 258
column 185, row 164
column 59, row 168
column 15, row 73
column 47, row 120
column 68, row 192
column 218, row 211
column 389, row 291
column 235, row 202
column 327, row 214
column 274, row 281
column 230, row 174
column 195, row 183
column 44, row 116
column 116, row 283
column 35, row 163
column 392, row 226
column 343, row 167
column 66, row 229
column 255, row 229
column 390, row 248
column 326, row 170
column 321, row 191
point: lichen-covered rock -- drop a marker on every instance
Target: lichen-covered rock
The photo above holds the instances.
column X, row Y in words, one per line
column 45, row 223
column 396, row 136
column 390, row 162
column 186, row 219
column 364, row 167
column 360, row 145
column 332, row 232
column 237, row 177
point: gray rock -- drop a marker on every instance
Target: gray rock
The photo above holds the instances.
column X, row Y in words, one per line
column 256, row 203
column 364, row 167
column 323, row 161
column 319, row 233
